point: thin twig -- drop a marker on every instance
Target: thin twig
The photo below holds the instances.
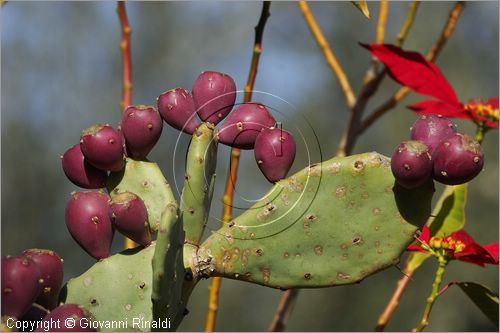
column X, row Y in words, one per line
column 283, row 311
column 371, row 82
column 234, row 162
column 126, row 55
column 328, row 53
column 127, row 72
column 410, row 18
column 394, row 301
column 382, row 20
column 431, row 56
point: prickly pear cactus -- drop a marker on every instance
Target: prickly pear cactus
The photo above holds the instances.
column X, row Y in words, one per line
column 116, row 288
column 199, row 182
column 330, row 224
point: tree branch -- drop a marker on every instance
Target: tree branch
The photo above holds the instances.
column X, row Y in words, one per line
column 328, row 53
column 234, row 162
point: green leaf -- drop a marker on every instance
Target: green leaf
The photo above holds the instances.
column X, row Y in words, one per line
column 449, row 213
column 448, row 216
column 415, row 260
column 363, row 7
column 485, row 299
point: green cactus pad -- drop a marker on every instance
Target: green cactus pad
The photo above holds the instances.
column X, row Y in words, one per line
column 330, row 224
column 168, row 267
column 145, row 180
column 117, row 288
column 199, row 182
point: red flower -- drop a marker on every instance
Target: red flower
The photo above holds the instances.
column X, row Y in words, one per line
column 414, row 71
column 458, row 245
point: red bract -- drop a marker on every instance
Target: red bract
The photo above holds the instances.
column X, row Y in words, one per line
column 458, row 245
column 414, row 71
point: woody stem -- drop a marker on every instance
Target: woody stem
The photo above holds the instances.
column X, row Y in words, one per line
column 433, row 295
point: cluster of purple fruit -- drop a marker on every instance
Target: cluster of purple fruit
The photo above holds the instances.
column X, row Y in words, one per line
column 30, row 289
column 249, row 126
column 92, row 217
column 438, row 151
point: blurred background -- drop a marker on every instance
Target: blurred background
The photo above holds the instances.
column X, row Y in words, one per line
column 61, row 72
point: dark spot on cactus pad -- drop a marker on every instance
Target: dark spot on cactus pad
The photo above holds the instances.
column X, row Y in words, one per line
column 142, row 285
column 357, row 241
column 94, row 302
column 307, row 276
column 358, row 165
column 259, row 252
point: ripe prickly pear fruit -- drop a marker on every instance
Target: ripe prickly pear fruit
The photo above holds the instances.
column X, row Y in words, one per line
column 130, row 217
column 20, row 285
column 432, row 129
column 177, row 108
column 457, row 160
column 141, row 127
column 81, row 319
column 241, row 127
column 274, row 153
column 214, row 94
column 51, row 275
column 102, row 147
column 80, row 172
column 411, row 164
column 88, row 218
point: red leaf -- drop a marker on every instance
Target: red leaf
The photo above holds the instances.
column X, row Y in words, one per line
column 438, row 107
column 412, row 70
column 492, row 249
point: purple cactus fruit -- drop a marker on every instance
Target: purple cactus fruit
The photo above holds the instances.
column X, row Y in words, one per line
column 274, row 153
column 241, row 127
column 20, row 285
column 88, row 218
column 141, row 127
column 214, row 94
column 411, row 164
column 80, row 172
column 81, row 322
column 177, row 108
column 457, row 160
column 102, row 147
column 51, row 275
column 130, row 217
column 432, row 129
